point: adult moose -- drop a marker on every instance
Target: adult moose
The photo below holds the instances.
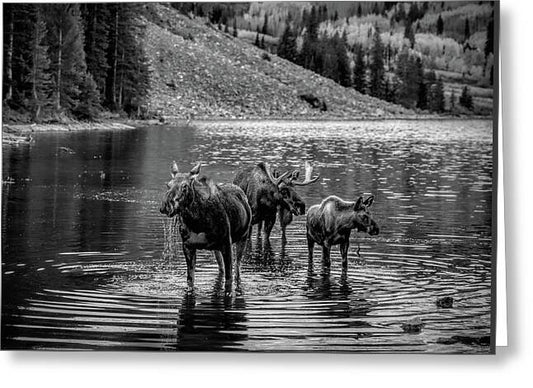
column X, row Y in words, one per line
column 267, row 192
column 211, row 217
column 331, row 223
column 285, row 215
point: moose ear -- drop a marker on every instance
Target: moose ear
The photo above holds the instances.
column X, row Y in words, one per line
column 369, row 201
column 174, row 169
column 196, row 169
column 359, row 204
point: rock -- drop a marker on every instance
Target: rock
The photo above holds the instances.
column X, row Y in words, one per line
column 445, row 302
column 465, row 340
column 415, row 325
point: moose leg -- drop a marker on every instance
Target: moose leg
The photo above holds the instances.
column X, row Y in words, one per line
column 310, row 246
column 269, row 224
column 220, row 261
column 325, row 255
column 344, row 254
column 227, row 255
column 190, row 257
column 240, row 248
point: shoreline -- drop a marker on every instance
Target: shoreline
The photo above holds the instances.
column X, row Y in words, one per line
column 19, row 133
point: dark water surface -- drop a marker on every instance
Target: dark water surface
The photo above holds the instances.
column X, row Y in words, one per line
column 88, row 261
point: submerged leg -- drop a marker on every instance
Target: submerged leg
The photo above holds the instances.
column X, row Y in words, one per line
column 227, row 255
column 344, row 254
column 220, row 261
column 240, row 248
column 325, row 255
column 190, row 257
column 310, row 246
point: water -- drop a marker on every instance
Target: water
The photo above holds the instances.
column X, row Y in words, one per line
column 88, row 261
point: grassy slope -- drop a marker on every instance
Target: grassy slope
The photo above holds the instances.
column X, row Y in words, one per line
column 200, row 71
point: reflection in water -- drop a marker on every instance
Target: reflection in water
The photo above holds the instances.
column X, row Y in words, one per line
column 89, row 263
column 214, row 324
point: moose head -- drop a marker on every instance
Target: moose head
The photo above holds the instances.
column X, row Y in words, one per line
column 362, row 218
column 184, row 188
column 290, row 198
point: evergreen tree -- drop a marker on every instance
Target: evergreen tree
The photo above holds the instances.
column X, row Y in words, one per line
column 489, row 43
column 41, row 83
column 359, row 74
column 308, row 55
column 65, row 42
column 343, row 63
column 408, row 79
column 422, row 89
column 287, row 45
column 226, row 29
column 452, row 100
column 89, row 105
column 440, row 25
column 436, row 96
column 265, row 25
column 376, row 66
column 235, row 28
column 359, row 11
column 127, row 78
column 467, row 30
column 262, row 45
column 409, row 33
column 257, row 42
column 466, row 99
column 96, row 30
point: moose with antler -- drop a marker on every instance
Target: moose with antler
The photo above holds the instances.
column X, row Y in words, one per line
column 267, row 192
column 211, row 216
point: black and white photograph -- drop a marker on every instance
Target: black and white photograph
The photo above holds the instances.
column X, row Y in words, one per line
column 282, row 177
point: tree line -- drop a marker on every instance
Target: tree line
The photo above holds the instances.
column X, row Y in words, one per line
column 398, row 77
column 73, row 60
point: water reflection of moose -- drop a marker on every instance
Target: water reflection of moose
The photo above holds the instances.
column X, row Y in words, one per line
column 215, row 216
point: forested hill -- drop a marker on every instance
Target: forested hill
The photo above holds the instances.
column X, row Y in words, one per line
column 200, row 71
column 246, row 60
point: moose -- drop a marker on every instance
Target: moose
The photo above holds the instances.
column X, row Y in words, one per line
column 267, row 192
column 331, row 223
column 210, row 216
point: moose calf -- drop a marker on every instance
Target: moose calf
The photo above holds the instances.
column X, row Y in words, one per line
column 331, row 223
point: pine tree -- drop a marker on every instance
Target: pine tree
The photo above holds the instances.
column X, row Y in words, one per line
column 127, row 77
column 409, row 33
column 359, row 73
column 452, row 101
column 41, row 83
column 422, row 89
column 467, row 30
column 489, row 43
column 466, row 98
column 343, row 64
column 359, row 11
column 308, row 55
column 96, row 30
column 257, row 43
column 287, row 45
column 235, row 28
column 376, row 66
column 65, row 42
column 408, row 83
column 436, row 96
column 440, row 25
column 262, row 45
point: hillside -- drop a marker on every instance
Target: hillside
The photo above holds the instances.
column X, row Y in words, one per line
column 198, row 71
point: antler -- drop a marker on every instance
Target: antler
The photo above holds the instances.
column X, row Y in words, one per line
column 276, row 180
column 308, row 173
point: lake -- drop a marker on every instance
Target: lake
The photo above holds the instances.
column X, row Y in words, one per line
column 88, row 261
